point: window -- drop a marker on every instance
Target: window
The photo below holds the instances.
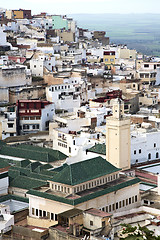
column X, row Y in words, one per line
column 123, row 203
column 112, row 60
column 91, row 223
column 32, row 211
column 130, row 200
column 120, row 204
column 136, row 198
column 116, row 205
column 154, row 144
column 40, row 213
column 157, row 155
column 134, row 151
column 149, row 156
column 52, row 216
column 44, row 213
column 103, row 209
column 69, row 149
column 139, row 150
column 36, row 212
column 113, row 206
column 146, row 65
column 25, row 126
column 109, row 208
column 126, row 202
column 56, row 218
column 10, row 125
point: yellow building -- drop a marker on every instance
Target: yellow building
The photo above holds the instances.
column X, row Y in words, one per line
column 109, row 58
column 18, row 14
column 118, row 137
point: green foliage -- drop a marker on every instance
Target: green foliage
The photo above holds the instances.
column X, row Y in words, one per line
column 138, row 233
column 128, row 228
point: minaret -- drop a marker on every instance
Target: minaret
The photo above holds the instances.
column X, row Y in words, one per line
column 118, row 143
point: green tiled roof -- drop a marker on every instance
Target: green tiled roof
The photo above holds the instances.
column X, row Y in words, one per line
column 4, row 164
column 26, row 182
column 84, row 171
column 15, row 171
column 14, row 197
column 98, row 148
column 24, row 163
column 33, row 153
column 43, row 167
column 32, row 166
column 84, row 198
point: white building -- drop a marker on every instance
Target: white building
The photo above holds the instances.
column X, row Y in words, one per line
column 145, row 145
column 8, row 121
column 37, row 64
column 4, row 180
column 3, row 40
column 34, row 115
column 14, row 75
column 6, row 222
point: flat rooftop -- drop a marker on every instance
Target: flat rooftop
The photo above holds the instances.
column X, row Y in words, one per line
column 152, row 168
column 15, row 205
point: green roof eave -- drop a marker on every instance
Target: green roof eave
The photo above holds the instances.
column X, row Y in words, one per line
column 88, row 197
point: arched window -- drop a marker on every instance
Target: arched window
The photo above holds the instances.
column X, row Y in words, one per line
column 149, row 156
column 157, row 155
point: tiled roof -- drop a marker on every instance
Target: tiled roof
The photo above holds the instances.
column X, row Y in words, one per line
column 14, row 197
column 84, row 171
column 15, row 171
column 32, row 152
column 3, row 164
column 26, row 182
column 86, row 197
column 98, row 148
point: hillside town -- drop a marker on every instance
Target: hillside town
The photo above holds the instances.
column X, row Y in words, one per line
column 79, row 133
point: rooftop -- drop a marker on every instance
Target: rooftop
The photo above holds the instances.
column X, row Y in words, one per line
column 15, row 205
column 92, row 194
column 98, row 148
column 97, row 212
column 32, row 152
column 84, row 171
